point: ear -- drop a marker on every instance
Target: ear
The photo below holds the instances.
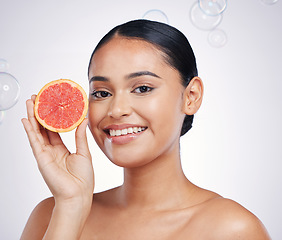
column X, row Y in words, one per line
column 193, row 96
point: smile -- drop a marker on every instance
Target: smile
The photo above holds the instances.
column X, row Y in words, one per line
column 126, row 131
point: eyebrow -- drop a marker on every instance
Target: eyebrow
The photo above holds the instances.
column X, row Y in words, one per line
column 129, row 76
column 99, row 79
column 142, row 73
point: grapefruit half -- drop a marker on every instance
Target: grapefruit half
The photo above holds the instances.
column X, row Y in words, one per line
column 61, row 105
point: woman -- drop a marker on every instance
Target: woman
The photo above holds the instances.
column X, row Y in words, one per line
column 144, row 91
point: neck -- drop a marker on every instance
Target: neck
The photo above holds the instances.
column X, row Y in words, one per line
column 151, row 186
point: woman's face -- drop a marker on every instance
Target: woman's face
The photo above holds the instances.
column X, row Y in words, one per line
column 135, row 102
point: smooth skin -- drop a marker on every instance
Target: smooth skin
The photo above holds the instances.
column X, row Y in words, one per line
column 131, row 85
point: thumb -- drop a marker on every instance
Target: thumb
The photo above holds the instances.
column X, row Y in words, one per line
column 81, row 140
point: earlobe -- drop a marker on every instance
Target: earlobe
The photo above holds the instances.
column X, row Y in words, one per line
column 193, row 96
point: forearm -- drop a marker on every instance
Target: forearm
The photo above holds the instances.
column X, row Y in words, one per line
column 67, row 221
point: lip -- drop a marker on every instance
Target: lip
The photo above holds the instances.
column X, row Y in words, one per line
column 123, row 139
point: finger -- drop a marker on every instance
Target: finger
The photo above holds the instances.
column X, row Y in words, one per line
column 42, row 136
column 81, row 139
column 32, row 137
column 30, row 114
column 54, row 138
column 33, row 97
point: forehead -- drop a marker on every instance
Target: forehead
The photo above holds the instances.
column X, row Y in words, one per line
column 131, row 44
column 130, row 52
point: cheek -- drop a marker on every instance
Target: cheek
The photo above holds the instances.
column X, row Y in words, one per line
column 95, row 115
column 163, row 113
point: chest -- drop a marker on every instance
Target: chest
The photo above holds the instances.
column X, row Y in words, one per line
column 142, row 225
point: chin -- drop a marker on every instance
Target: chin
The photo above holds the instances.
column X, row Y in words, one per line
column 127, row 158
column 129, row 161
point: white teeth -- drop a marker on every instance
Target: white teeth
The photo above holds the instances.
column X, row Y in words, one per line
column 130, row 130
column 114, row 133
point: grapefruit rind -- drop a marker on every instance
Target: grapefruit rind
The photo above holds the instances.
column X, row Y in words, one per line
column 60, row 128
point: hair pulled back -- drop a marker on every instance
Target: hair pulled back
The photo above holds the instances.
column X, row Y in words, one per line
column 173, row 43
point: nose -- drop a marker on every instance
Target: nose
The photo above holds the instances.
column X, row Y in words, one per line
column 120, row 107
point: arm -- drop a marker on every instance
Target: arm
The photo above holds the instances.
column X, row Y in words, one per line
column 69, row 176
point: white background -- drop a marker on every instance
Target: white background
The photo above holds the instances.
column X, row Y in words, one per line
column 235, row 146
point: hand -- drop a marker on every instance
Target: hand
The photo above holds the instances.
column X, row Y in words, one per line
column 68, row 176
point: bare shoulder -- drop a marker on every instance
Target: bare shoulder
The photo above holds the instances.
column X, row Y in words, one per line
column 39, row 219
column 229, row 220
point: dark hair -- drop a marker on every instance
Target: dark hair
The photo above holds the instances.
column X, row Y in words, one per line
column 172, row 42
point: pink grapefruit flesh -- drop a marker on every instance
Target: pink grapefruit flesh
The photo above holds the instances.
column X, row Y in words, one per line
column 61, row 105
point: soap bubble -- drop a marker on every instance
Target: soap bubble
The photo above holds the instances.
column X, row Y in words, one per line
column 212, row 7
column 217, row 38
column 202, row 20
column 269, row 2
column 2, row 115
column 156, row 15
column 9, row 91
column 3, row 65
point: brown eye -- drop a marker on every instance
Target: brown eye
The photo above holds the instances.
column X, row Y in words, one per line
column 101, row 94
column 143, row 89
